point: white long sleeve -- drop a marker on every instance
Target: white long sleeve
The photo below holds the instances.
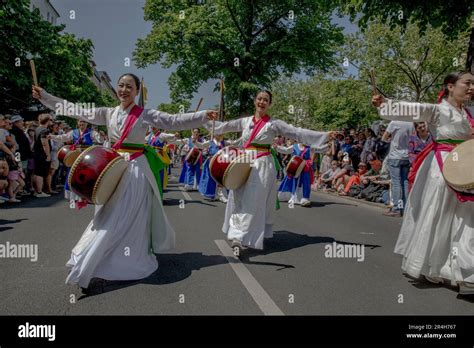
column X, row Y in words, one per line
column 225, row 127
column 64, row 138
column 286, row 150
column 395, row 110
column 203, row 145
column 176, row 122
column 301, row 135
column 95, row 116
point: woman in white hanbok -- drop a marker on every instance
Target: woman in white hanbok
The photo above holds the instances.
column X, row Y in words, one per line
column 250, row 211
column 437, row 234
column 121, row 239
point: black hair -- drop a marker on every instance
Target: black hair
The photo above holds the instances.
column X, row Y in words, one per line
column 452, row 77
column 135, row 78
column 265, row 91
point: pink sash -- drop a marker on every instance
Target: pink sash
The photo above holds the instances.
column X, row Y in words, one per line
column 129, row 123
column 256, row 129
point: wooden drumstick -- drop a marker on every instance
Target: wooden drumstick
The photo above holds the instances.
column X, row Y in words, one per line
column 199, row 104
column 33, row 72
column 372, row 79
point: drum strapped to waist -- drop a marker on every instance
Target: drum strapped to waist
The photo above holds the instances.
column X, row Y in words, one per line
column 160, row 151
column 458, row 167
column 230, row 167
column 295, row 167
column 193, row 156
column 95, row 174
column 69, row 153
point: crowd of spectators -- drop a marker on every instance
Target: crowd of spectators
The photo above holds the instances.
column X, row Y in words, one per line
column 29, row 163
column 370, row 163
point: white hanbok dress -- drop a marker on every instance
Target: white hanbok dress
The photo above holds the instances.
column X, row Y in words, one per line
column 250, row 210
column 437, row 234
column 117, row 243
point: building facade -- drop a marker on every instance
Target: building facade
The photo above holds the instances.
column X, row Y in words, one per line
column 47, row 10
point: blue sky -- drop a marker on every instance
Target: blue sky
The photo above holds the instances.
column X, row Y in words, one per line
column 114, row 27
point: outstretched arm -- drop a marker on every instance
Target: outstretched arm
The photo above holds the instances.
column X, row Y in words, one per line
column 95, row 116
column 395, row 110
column 301, row 135
column 64, row 138
column 225, row 127
column 286, row 150
column 167, row 121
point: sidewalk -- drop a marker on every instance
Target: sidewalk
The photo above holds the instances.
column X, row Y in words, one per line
column 362, row 201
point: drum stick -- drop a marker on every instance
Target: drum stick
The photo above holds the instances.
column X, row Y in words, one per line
column 372, row 79
column 199, row 104
column 33, row 72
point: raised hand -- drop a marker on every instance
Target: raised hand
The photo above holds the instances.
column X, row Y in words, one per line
column 377, row 100
column 36, row 91
column 212, row 115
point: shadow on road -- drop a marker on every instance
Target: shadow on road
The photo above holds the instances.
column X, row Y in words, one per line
column 177, row 267
column 8, row 222
column 33, row 202
column 172, row 268
column 286, row 240
column 174, row 201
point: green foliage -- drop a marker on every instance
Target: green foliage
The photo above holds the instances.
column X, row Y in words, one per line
column 451, row 17
column 322, row 103
column 407, row 65
column 248, row 43
column 62, row 61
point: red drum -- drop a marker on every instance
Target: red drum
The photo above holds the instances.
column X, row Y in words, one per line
column 230, row 167
column 69, row 153
column 193, row 156
column 295, row 167
column 96, row 173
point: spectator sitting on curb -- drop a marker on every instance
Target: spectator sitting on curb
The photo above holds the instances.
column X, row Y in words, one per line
column 327, row 177
column 354, row 179
column 340, row 179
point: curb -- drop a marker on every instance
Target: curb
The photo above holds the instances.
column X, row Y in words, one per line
column 381, row 206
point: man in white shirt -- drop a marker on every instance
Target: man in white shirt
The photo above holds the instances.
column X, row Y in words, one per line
column 398, row 163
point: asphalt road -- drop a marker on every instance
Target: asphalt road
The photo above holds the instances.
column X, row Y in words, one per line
column 293, row 275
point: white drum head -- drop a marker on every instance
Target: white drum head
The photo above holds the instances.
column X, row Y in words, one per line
column 108, row 180
column 458, row 168
column 237, row 173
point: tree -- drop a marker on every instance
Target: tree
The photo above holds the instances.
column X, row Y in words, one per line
column 451, row 17
column 62, row 61
column 323, row 103
column 248, row 43
column 407, row 65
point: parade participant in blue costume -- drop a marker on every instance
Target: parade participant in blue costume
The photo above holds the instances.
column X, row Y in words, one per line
column 82, row 136
column 207, row 185
column 191, row 173
column 300, row 188
column 159, row 139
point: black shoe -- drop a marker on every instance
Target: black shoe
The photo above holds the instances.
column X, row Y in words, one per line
column 96, row 287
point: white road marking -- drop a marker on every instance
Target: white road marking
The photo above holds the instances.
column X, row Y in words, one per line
column 259, row 295
column 185, row 194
